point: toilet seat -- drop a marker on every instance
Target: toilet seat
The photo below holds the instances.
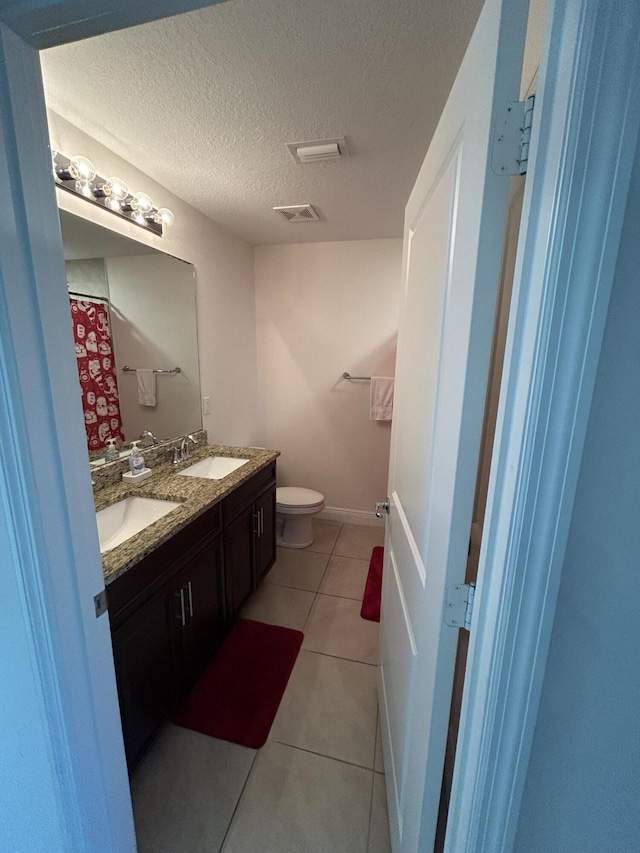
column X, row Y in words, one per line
column 293, row 500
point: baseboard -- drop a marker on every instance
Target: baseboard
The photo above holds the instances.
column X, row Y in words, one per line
column 350, row 516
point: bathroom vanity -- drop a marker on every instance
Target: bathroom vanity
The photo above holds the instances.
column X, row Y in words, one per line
column 176, row 588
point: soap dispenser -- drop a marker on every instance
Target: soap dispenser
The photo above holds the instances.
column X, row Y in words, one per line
column 112, row 454
column 138, row 471
column 136, row 459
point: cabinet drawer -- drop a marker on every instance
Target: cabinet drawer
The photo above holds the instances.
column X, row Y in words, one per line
column 133, row 588
column 245, row 493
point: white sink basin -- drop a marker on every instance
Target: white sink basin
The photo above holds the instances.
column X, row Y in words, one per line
column 120, row 521
column 214, row 467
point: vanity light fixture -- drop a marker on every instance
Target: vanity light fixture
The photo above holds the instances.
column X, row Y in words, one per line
column 144, row 203
column 113, row 191
column 163, row 216
column 78, row 176
column 129, row 204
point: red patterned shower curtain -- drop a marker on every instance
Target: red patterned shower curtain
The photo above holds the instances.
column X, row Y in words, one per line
column 97, row 372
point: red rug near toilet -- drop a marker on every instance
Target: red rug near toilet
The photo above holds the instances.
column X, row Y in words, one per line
column 238, row 695
column 373, row 589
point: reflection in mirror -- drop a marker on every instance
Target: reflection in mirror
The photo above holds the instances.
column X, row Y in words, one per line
column 135, row 307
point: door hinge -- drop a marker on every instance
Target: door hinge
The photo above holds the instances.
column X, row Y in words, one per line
column 459, row 605
column 510, row 149
column 100, row 603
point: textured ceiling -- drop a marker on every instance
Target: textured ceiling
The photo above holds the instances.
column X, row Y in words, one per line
column 205, row 102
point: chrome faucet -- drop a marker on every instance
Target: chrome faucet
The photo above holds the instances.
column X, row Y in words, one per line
column 147, row 434
column 185, row 448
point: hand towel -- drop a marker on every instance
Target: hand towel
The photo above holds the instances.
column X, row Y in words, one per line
column 146, row 386
column 381, row 405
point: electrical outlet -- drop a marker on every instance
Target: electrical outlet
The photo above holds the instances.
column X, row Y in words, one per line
column 206, row 405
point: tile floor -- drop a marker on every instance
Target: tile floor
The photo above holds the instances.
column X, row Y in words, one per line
column 317, row 786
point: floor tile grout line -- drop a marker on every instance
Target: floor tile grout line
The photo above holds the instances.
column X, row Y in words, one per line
column 304, row 627
column 373, row 785
column 288, row 586
column 323, row 755
column 343, row 597
column 314, row 591
column 375, row 742
column 337, row 657
column 246, row 782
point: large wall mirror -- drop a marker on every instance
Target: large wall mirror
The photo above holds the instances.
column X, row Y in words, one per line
column 133, row 311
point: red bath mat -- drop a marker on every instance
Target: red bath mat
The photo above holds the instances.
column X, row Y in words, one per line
column 238, row 695
column 373, row 590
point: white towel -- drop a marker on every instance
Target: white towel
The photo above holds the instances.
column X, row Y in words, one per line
column 381, row 405
column 146, row 386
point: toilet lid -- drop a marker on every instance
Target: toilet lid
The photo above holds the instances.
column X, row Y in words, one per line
column 295, row 496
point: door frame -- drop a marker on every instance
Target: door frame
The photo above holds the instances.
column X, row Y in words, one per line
column 584, row 141
column 63, row 772
column 45, row 495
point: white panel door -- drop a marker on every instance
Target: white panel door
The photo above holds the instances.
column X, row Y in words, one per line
column 454, row 229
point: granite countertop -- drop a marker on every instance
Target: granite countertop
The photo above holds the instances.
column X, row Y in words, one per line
column 196, row 495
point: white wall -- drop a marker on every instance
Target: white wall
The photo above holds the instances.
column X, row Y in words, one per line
column 153, row 311
column 583, row 782
column 224, row 280
column 322, row 309
column 88, row 277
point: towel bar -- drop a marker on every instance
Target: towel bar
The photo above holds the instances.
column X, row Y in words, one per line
column 349, row 376
column 127, row 369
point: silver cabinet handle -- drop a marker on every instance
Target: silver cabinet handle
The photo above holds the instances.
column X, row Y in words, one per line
column 190, row 600
column 261, row 521
column 181, row 616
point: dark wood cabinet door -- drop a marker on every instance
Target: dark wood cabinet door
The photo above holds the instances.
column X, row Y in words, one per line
column 145, row 664
column 238, row 560
column 266, row 541
column 201, row 584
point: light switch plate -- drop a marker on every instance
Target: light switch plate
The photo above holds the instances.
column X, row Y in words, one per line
column 206, row 405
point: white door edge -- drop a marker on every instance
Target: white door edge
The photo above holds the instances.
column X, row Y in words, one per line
column 584, row 139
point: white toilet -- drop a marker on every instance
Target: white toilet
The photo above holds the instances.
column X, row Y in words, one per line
column 295, row 508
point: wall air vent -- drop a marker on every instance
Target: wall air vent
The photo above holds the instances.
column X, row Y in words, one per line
column 297, row 213
column 318, row 150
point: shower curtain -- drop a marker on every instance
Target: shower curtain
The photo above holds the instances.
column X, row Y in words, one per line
column 96, row 370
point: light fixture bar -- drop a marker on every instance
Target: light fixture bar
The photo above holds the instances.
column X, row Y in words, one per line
column 109, row 193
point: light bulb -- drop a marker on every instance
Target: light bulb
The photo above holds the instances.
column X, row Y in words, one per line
column 130, row 204
column 113, row 204
column 84, row 167
column 139, row 217
column 114, row 189
column 144, row 202
column 84, row 188
column 164, row 217
column 117, row 189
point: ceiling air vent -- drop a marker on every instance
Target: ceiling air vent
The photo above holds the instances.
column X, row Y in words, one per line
column 297, row 213
column 318, row 150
